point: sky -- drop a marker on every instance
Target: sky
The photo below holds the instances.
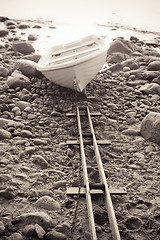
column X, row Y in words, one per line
column 142, row 13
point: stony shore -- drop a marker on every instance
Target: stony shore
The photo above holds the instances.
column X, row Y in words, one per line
column 37, row 165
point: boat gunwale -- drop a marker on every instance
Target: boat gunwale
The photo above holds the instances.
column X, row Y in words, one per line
column 72, row 62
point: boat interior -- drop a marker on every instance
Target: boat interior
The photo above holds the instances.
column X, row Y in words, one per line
column 73, row 53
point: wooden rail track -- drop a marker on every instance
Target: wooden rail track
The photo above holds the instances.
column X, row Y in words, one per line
column 102, row 187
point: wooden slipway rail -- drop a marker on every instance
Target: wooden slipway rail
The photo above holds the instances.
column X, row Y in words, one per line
column 103, row 188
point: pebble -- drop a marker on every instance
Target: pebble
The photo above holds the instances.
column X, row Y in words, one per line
column 28, row 230
column 47, row 203
column 15, row 236
column 54, row 235
column 17, row 79
column 39, row 231
column 26, row 134
column 4, row 72
column 38, row 159
column 2, row 228
column 41, row 218
column 4, row 134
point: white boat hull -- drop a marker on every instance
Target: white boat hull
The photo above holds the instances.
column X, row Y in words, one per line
column 76, row 75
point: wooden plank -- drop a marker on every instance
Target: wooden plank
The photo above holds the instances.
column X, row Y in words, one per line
column 88, row 142
column 82, row 191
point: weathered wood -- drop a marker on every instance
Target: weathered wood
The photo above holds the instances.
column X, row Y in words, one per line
column 88, row 142
column 94, row 114
column 82, row 191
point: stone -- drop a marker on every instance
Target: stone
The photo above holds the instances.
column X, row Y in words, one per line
column 4, row 72
column 23, row 26
column 7, row 193
column 4, row 134
column 9, row 123
column 17, row 79
column 3, row 33
column 39, row 231
column 28, row 230
column 22, row 104
column 38, row 159
column 30, row 150
column 38, row 141
column 150, row 75
column 131, row 63
column 32, row 37
column 47, row 203
column 154, row 66
column 116, row 57
column 32, row 57
column 2, row 228
column 41, row 218
column 27, row 67
column 15, row 236
column 150, row 88
column 54, row 235
column 120, row 45
column 131, row 132
column 23, row 47
column 26, row 134
column 150, row 127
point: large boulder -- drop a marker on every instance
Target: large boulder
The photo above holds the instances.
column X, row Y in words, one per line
column 23, row 47
column 121, row 45
column 17, row 79
column 150, row 127
column 27, row 67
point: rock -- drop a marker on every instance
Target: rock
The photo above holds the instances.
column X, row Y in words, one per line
column 17, row 79
column 3, row 33
column 23, row 47
column 58, row 184
column 133, row 223
column 54, row 235
column 150, row 75
column 15, row 236
column 39, row 231
column 115, row 68
column 5, row 122
column 47, row 203
column 131, row 63
column 156, row 80
column 30, row 150
column 32, row 37
column 41, row 218
column 22, row 105
column 150, row 88
column 4, row 72
column 32, row 57
column 4, row 134
column 116, row 57
column 150, row 127
column 131, row 132
column 23, row 26
column 27, row 67
column 2, row 45
column 7, row 193
column 38, row 159
column 3, row 19
column 2, row 228
column 26, row 134
column 38, row 141
column 28, row 230
column 120, row 45
column 154, row 66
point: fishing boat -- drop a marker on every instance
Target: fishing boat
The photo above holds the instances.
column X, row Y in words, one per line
column 75, row 64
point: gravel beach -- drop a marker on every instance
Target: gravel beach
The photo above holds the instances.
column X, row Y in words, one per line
column 36, row 163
